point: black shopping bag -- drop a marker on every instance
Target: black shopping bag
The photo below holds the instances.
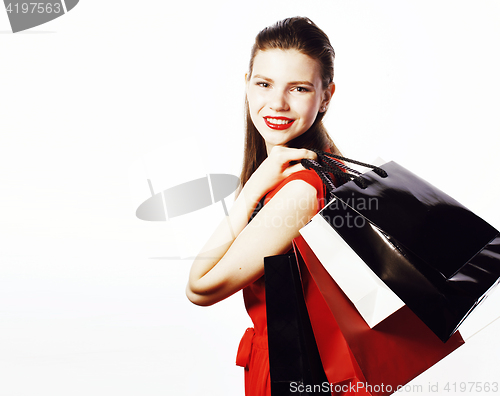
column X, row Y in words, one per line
column 435, row 254
column 294, row 361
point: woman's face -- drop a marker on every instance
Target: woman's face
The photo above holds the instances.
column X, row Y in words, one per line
column 285, row 94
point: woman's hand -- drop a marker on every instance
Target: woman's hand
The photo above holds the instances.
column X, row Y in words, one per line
column 277, row 167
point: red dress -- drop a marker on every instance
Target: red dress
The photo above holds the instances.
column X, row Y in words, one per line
column 253, row 352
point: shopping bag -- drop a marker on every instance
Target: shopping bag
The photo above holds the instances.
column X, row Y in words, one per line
column 437, row 256
column 357, row 359
column 373, row 299
column 294, row 360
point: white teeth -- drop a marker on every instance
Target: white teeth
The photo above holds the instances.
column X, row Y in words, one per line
column 278, row 122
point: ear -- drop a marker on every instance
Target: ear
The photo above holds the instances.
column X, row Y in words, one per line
column 327, row 96
column 246, row 82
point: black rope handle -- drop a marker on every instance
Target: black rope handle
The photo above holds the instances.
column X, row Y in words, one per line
column 336, row 162
column 327, row 181
column 328, row 163
column 376, row 169
column 324, row 169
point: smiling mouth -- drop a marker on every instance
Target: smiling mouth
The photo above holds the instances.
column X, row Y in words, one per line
column 279, row 122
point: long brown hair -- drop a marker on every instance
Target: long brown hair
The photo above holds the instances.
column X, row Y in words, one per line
column 303, row 35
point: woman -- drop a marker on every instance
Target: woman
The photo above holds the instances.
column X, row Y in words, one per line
column 289, row 86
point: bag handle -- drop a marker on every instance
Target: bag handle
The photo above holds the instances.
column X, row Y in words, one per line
column 332, row 163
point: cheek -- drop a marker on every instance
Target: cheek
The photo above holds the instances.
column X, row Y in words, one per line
column 253, row 107
column 253, row 101
column 309, row 109
column 256, row 98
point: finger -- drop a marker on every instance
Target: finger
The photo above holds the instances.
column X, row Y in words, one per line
column 311, row 155
column 287, row 154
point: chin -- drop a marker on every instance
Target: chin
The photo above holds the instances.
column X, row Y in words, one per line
column 277, row 142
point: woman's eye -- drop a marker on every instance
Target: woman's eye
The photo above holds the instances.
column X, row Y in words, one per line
column 301, row 89
column 263, row 84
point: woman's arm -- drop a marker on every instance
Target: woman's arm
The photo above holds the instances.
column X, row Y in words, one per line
column 234, row 255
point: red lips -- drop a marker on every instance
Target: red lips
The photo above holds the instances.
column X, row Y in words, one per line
column 286, row 125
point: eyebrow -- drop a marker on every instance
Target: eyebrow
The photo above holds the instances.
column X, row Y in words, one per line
column 305, row 82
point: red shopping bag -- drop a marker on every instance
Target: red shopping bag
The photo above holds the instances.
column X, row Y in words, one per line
column 356, row 359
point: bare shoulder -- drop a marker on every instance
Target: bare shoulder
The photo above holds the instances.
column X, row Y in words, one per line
column 296, row 189
column 300, row 186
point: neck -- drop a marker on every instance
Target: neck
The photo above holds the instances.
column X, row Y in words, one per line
column 269, row 147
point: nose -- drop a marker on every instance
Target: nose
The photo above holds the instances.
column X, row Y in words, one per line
column 279, row 101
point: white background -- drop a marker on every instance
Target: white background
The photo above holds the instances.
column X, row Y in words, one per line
column 96, row 102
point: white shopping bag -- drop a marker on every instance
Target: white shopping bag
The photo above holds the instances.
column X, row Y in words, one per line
column 371, row 297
